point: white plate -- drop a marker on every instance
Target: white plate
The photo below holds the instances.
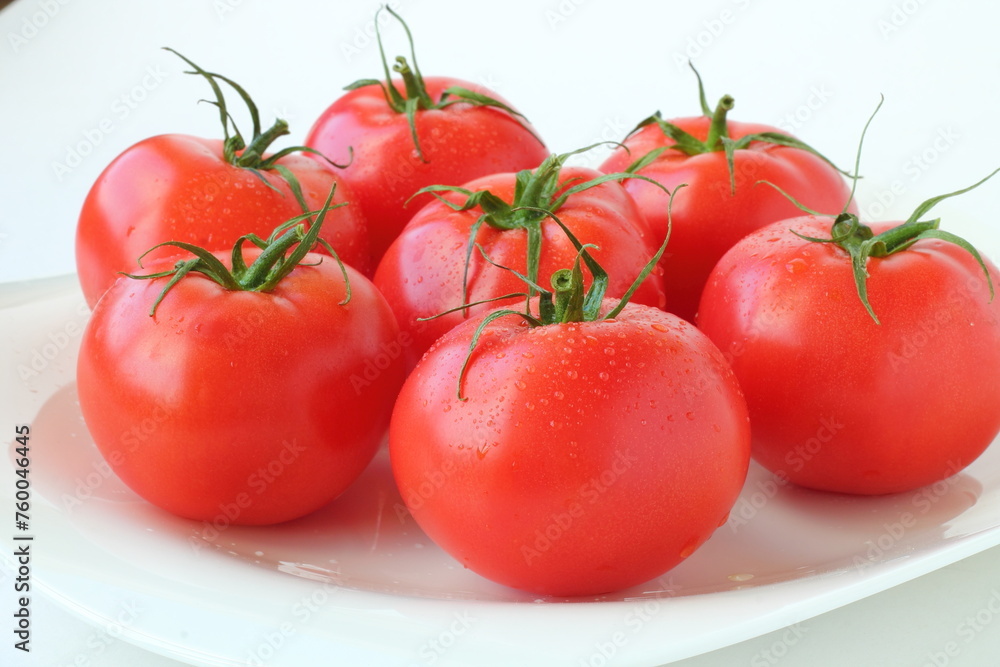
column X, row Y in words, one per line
column 358, row 583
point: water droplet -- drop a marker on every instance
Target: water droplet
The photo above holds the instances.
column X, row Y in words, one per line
column 559, row 395
column 527, row 355
column 797, row 265
column 689, row 415
column 740, row 577
column 447, row 407
column 603, row 375
column 660, row 327
column 529, row 406
column 501, row 355
column 529, row 369
column 519, row 384
column 610, row 351
column 689, row 548
column 571, row 374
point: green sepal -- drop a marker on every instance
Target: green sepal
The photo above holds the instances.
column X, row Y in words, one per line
column 250, row 155
column 266, row 271
column 416, row 97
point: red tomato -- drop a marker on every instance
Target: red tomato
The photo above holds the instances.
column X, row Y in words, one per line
column 458, row 141
column 180, row 188
column 207, row 192
column 422, row 273
column 837, row 401
column 588, row 456
column 713, row 212
column 244, row 407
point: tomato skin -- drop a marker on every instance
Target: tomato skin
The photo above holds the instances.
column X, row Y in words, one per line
column 255, row 406
column 460, row 143
column 571, row 470
column 838, row 402
column 177, row 187
column 708, row 218
column 421, row 273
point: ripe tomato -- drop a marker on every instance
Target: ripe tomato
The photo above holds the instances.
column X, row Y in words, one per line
column 721, row 204
column 252, row 407
column 423, row 272
column 208, row 192
column 588, row 452
column 458, row 131
column 837, row 401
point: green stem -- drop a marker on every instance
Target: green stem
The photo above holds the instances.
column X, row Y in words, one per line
column 253, row 155
column 719, row 128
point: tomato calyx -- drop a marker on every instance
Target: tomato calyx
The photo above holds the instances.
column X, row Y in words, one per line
column 415, row 96
column 537, row 193
column 860, row 242
column 266, row 271
column 250, row 156
column 568, row 301
column 718, row 138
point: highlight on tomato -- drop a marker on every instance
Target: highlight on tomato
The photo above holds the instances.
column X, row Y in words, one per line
column 587, row 444
column 209, row 192
column 434, row 265
column 217, row 387
column 721, row 162
column 869, row 353
column 413, row 131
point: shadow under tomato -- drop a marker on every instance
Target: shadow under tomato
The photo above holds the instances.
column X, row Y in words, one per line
column 367, row 540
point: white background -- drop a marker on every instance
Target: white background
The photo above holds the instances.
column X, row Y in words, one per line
column 582, row 72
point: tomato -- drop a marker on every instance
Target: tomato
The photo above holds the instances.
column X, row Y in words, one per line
column 423, row 272
column 458, row 131
column 722, row 202
column 577, row 456
column 247, row 407
column 176, row 187
column 838, row 401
